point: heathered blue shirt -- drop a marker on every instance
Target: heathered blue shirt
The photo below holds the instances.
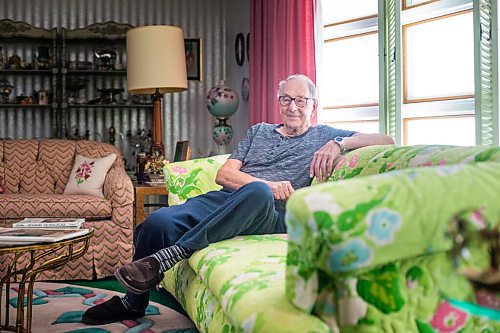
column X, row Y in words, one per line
column 268, row 155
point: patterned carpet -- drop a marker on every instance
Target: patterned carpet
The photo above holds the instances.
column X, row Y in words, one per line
column 58, row 307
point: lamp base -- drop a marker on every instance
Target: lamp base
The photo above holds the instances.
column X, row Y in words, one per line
column 223, row 133
column 157, row 148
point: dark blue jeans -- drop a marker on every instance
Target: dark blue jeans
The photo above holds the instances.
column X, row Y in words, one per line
column 207, row 219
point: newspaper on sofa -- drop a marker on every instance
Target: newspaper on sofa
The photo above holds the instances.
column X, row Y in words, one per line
column 50, row 223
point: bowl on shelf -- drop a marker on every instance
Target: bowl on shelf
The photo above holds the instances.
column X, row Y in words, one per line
column 80, row 65
column 75, row 84
column 108, row 95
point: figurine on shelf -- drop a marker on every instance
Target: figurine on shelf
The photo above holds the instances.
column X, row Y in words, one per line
column 141, row 141
column 24, row 100
column 74, row 85
column 42, row 61
column 41, row 97
column 76, row 134
column 5, row 90
column 111, row 134
column 2, row 58
column 14, row 62
column 105, row 59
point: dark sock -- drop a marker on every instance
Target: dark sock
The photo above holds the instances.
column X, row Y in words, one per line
column 127, row 305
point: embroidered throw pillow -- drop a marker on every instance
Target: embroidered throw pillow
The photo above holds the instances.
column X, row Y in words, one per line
column 187, row 179
column 88, row 174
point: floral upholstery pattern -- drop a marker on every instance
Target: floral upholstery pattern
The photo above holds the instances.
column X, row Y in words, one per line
column 382, row 244
column 223, row 293
column 371, row 254
column 188, row 179
column 379, row 159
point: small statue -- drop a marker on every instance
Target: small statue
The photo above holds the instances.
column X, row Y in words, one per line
column 14, row 62
column 112, row 135
column 105, row 59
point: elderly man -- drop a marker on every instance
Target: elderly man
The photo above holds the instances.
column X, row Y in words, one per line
column 260, row 175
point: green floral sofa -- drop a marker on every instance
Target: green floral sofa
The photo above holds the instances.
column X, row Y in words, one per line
column 368, row 254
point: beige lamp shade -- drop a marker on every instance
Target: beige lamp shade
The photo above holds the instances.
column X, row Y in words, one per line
column 156, row 60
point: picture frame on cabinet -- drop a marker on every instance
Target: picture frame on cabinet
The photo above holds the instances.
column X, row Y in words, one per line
column 182, row 151
column 193, row 49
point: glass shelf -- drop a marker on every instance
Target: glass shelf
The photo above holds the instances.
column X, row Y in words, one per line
column 92, row 72
column 98, row 106
column 12, row 105
column 28, row 71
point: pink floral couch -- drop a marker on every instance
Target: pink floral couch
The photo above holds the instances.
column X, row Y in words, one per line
column 33, row 175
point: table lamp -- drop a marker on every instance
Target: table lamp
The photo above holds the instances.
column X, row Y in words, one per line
column 156, row 65
column 222, row 102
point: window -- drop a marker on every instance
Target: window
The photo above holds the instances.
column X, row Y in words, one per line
column 357, row 83
column 439, row 58
column 443, row 130
column 349, row 73
column 429, row 74
column 338, row 11
column 438, row 73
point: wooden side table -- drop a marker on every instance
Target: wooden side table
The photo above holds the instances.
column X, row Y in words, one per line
column 140, row 192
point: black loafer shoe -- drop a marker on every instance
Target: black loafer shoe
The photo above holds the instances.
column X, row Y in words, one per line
column 140, row 276
column 108, row 312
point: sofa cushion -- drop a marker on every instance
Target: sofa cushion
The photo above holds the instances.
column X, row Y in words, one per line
column 242, row 278
column 88, row 174
column 191, row 178
column 54, row 205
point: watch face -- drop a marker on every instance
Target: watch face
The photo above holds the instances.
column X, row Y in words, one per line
column 339, row 139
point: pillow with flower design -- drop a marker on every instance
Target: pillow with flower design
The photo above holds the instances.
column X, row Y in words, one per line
column 88, row 174
column 187, row 179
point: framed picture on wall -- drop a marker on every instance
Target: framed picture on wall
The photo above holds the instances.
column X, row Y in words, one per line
column 193, row 58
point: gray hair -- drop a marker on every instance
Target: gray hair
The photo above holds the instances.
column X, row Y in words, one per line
column 310, row 84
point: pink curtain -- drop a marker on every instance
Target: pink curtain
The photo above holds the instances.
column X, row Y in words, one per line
column 281, row 44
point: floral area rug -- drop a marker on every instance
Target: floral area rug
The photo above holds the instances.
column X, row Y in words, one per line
column 59, row 307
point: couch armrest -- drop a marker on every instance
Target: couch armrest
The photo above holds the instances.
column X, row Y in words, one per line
column 348, row 227
column 118, row 189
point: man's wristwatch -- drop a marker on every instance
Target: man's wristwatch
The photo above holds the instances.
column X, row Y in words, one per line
column 340, row 141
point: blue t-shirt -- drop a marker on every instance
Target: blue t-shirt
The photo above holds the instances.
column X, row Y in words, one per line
column 268, row 155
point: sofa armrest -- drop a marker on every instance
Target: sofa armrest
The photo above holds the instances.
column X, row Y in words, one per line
column 349, row 227
column 118, row 189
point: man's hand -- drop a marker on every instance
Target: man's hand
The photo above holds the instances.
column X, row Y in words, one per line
column 282, row 190
column 323, row 160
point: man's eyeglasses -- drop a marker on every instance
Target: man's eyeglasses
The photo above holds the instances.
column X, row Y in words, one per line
column 299, row 101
